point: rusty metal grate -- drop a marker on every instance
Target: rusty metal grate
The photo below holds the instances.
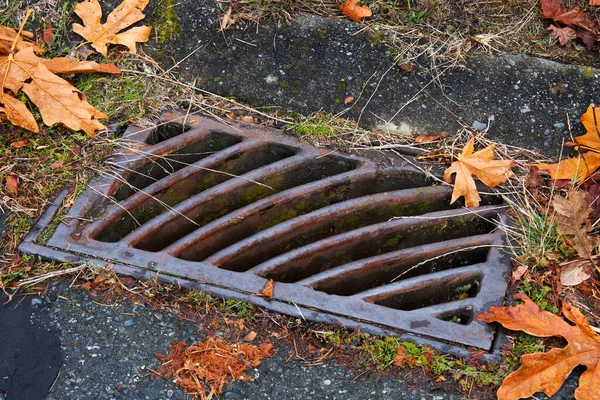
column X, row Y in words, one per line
column 347, row 240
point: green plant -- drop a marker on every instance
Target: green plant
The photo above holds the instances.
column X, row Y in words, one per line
column 538, row 295
column 198, row 299
column 414, row 16
column 238, row 307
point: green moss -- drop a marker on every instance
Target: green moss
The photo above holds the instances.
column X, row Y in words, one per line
column 217, row 79
column 294, row 93
column 166, row 23
column 323, row 33
column 588, row 73
column 284, row 85
column 376, row 38
column 342, row 86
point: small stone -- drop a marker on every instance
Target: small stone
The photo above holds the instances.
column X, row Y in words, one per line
column 547, row 132
column 128, row 323
column 327, row 382
column 232, row 395
column 479, row 126
column 36, row 302
column 559, row 125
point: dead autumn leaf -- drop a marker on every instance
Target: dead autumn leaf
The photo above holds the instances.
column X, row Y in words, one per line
column 427, row 138
column 481, row 164
column 348, row 99
column 551, row 9
column 101, row 35
column 574, row 273
column 354, row 11
column 564, row 35
column 268, row 290
column 7, row 37
column 250, row 336
column 226, row 20
column 546, row 372
column 12, row 184
column 572, row 218
column 577, row 168
column 594, row 2
column 19, row 144
column 591, row 122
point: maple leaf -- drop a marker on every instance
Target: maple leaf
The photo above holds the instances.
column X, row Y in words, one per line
column 580, row 168
column 101, row 35
column 9, row 35
column 572, row 218
column 57, row 100
column 564, row 35
column 551, row 9
column 546, row 372
column 354, row 11
column 573, row 273
column 481, row 164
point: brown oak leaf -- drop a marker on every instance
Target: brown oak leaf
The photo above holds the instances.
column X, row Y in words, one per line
column 481, row 164
column 546, row 372
column 101, row 35
column 572, row 218
column 354, row 11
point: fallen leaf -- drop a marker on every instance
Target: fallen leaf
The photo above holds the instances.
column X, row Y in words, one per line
column 564, row 35
column 591, row 122
column 572, row 218
column 354, row 11
column 546, row 372
column 249, row 119
column 268, row 290
column 518, row 273
column 87, row 286
column 551, row 9
column 57, row 165
column 48, row 34
column 594, row 2
column 7, row 37
column 19, row 144
column 12, row 184
column 204, row 369
column 407, row 67
column 250, row 336
column 402, row 360
column 348, row 99
column 578, row 168
column 226, row 20
column 427, row 138
column 481, row 164
column 574, row 273
column 101, row 35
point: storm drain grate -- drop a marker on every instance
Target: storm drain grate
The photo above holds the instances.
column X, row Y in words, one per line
column 225, row 208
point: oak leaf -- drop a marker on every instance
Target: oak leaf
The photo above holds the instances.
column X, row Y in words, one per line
column 354, row 11
column 101, row 35
column 546, row 372
column 481, row 164
column 572, row 218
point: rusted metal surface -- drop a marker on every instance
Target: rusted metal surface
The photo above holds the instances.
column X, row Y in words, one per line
column 224, row 208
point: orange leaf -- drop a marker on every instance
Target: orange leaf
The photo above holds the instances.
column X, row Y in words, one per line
column 578, row 168
column 354, row 11
column 58, row 101
column 572, row 218
column 268, row 290
column 481, row 164
column 594, row 2
column 250, row 336
column 591, row 122
column 546, row 372
column 101, row 35
column 564, row 35
column 427, row 138
column 7, row 36
column 12, row 184
column 19, row 144
column 348, row 99
column 16, row 112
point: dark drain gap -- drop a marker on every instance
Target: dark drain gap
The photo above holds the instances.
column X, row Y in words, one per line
column 154, row 167
column 293, row 206
column 463, row 316
column 230, row 197
column 401, row 265
column 366, row 242
column 197, row 181
column 438, row 291
column 165, row 131
column 331, row 221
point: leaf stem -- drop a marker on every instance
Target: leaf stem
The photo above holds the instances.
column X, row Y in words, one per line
column 14, row 44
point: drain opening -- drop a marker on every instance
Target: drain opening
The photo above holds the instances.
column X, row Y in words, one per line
column 345, row 248
column 292, row 205
column 206, row 207
column 166, row 131
column 434, row 292
column 156, row 167
column 464, row 316
column 401, row 265
column 196, row 181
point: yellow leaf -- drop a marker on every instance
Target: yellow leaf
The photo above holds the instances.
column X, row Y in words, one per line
column 59, row 102
column 481, row 164
column 101, row 35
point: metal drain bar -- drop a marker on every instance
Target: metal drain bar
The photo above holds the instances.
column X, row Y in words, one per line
column 227, row 207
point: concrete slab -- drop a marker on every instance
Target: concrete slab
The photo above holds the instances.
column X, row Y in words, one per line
column 316, row 63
